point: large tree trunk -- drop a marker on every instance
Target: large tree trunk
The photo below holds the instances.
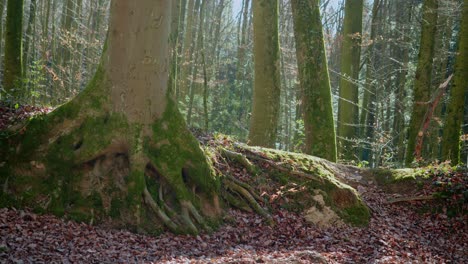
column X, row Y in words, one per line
column 456, row 107
column 266, row 95
column 120, row 149
column 422, row 84
column 314, row 80
column 348, row 110
column 13, row 49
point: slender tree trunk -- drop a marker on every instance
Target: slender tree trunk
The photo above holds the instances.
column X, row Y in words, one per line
column 456, row 107
column 403, row 21
column 2, row 9
column 13, row 50
column 198, row 48
column 238, row 85
column 29, row 35
column 422, row 84
column 369, row 103
column 314, row 80
column 348, row 110
column 176, row 9
column 188, row 49
column 266, row 98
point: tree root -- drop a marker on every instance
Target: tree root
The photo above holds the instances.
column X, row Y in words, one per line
column 195, row 214
column 236, row 202
column 249, row 198
column 300, row 174
column 245, row 186
column 241, row 159
column 158, row 211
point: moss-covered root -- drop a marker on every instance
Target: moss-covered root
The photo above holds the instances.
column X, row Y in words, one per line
column 245, row 194
column 239, row 158
column 158, row 211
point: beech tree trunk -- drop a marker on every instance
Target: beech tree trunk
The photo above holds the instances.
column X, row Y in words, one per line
column 13, row 49
column 348, row 110
column 314, row 79
column 120, row 150
column 422, row 84
column 266, row 94
column 456, row 107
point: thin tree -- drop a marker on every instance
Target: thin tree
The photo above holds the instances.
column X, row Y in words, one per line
column 13, row 49
column 314, row 79
column 266, row 95
column 348, row 110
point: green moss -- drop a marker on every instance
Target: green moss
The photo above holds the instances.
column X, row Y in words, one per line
column 136, row 184
column 79, row 216
column 116, row 207
column 178, row 156
column 357, row 215
column 386, row 176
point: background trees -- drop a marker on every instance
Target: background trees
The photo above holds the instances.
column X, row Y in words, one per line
column 63, row 39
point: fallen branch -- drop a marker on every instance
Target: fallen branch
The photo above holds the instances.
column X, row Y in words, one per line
column 411, row 199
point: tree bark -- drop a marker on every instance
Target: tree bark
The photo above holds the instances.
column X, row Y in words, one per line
column 314, row 80
column 422, row 84
column 28, row 38
column 266, row 95
column 119, row 150
column 348, row 110
column 2, row 9
column 456, row 106
column 13, row 50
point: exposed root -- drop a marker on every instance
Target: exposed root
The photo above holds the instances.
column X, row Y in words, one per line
column 241, row 159
column 158, row 211
column 300, row 174
column 188, row 221
column 236, row 202
column 245, row 186
column 196, row 215
column 250, row 199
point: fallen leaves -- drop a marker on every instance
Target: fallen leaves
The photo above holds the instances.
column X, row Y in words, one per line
column 396, row 234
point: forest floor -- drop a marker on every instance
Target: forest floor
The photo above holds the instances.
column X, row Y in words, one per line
column 402, row 232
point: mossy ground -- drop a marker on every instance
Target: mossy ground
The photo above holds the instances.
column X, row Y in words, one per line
column 290, row 188
column 403, row 181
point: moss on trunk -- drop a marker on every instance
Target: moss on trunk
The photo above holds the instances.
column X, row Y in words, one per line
column 456, row 107
column 314, row 80
column 13, row 50
column 422, row 83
